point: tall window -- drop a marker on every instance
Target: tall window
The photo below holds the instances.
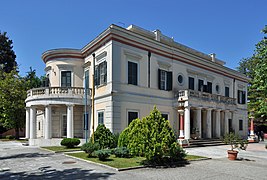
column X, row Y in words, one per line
column 200, row 85
column 86, row 79
column 165, row 80
column 101, row 74
column 132, row 73
column 165, row 116
column 101, row 117
column 132, row 115
column 240, row 125
column 227, row 94
column 209, row 88
column 241, row 99
column 191, row 83
column 66, row 79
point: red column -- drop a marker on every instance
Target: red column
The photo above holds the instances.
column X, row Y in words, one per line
column 181, row 136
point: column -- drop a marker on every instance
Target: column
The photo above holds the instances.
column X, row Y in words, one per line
column 48, row 125
column 199, row 124
column 226, row 122
column 32, row 123
column 218, row 123
column 252, row 127
column 27, row 124
column 187, row 122
column 208, row 123
column 181, row 126
column 69, row 121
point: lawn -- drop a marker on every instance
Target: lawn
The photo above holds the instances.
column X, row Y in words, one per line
column 121, row 162
column 61, row 148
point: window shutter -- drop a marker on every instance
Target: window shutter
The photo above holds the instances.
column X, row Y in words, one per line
column 105, row 71
column 243, row 97
column 97, row 77
column 169, row 81
column 159, row 77
column 238, row 97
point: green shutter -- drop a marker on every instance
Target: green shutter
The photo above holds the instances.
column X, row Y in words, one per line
column 169, row 81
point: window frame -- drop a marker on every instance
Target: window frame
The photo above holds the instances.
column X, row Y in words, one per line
column 189, row 86
column 103, row 117
column 165, row 80
column 240, row 125
column 131, row 111
column 132, row 78
column 227, row 93
column 101, row 73
column 70, row 78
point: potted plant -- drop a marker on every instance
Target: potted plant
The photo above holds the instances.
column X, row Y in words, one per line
column 236, row 143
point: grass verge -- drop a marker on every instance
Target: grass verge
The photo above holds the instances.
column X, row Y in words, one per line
column 61, row 148
column 121, row 162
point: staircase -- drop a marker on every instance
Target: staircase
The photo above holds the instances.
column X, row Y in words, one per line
column 205, row 142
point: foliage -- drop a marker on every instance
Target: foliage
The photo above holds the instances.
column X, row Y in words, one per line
column 70, row 142
column 32, row 80
column 9, row 137
column 90, row 148
column 116, row 139
column 12, row 104
column 122, row 152
column 103, row 154
column 153, row 138
column 235, row 141
column 255, row 67
column 104, row 137
column 7, row 55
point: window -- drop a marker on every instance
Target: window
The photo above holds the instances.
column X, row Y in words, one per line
column 132, row 115
column 191, row 83
column 208, row 88
column 132, row 73
column 240, row 125
column 64, row 125
column 86, row 79
column 241, row 99
column 165, row 80
column 227, row 92
column 180, row 79
column 165, row 116
column 65, row 78
column 101, row 74
column 101, row 117
column 39, row 125
column 200, row 85
column 217, row 88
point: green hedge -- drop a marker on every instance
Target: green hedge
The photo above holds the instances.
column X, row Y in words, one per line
column 70, row 142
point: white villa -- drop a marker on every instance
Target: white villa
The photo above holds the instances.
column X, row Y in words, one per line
column 132, row 70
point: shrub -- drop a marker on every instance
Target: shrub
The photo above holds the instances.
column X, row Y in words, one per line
column 70, row 142
column 10, row 137
column 153, row 138
column 90, row 148
column 103, row 154
column 104, row 137
column 122, row 152
column 235, row 141
column 116, row 139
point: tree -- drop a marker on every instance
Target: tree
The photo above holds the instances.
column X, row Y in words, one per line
column 7, row 55
column 12, row 104
column 32, row 80
column 255, row 67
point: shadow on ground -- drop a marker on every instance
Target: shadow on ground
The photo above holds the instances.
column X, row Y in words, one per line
column 49, row 173
column 25, row 155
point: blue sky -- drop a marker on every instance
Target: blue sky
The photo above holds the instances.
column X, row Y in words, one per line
column 229, row 28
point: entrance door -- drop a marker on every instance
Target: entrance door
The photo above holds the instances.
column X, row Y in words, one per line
column 64, row 125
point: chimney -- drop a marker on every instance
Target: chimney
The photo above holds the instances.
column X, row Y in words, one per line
column 213, row 58
column 158, row 34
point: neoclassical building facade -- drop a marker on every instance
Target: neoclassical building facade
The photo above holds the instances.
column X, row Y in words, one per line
column 121, row 74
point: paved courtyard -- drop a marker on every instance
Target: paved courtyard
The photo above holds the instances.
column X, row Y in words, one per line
column 20, row 162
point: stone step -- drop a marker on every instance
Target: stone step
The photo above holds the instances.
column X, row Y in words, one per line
column 205, row 143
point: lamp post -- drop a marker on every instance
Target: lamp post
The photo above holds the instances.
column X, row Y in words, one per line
column 181, row 140
column 252, row 137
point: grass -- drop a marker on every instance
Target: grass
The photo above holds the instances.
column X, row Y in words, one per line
column 18, row 140
column 61, row 148
column 121, row 162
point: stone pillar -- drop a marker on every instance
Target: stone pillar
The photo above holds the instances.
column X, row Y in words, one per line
column 199, row 124
column 27, row 124
column 48, row 123
column 69, row 121
column 226, row 122
column 33, row 123
column 181, row 115
column 252, row 127
column 208, row 126
column 187, row 122
column 218, row 123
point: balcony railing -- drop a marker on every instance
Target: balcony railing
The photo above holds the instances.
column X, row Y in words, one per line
column 50, row 91
column 187, row 94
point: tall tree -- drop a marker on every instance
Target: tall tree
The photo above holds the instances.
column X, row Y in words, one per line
column 32, row 80
column 255, row 67
column 12, row 104
column 7, row 55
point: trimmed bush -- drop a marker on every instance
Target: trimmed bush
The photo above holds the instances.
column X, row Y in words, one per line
column 122, row 152
column 104, row 137
column 70, row 142
column 90, row 148
column 10, row 137
column 103, row 154
column 153, row 138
